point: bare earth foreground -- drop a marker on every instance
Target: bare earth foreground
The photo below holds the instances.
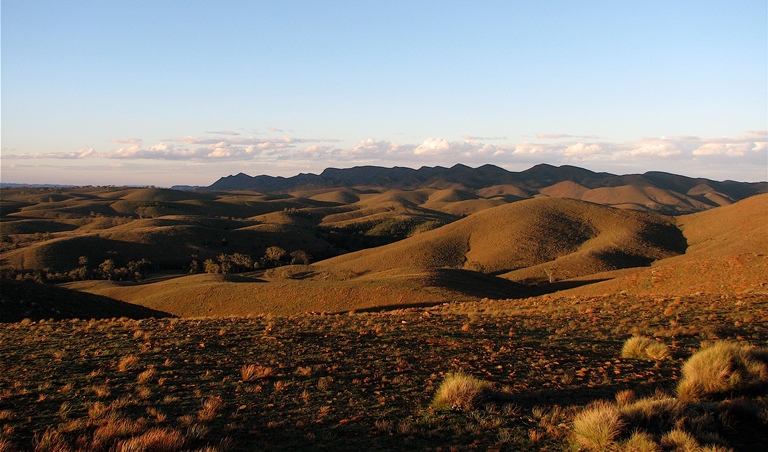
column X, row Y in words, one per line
column 650, row 334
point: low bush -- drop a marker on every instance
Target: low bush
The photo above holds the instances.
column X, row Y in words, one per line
column 641, row 347
column 723, row 368
column 597, row 427
column 460, row 391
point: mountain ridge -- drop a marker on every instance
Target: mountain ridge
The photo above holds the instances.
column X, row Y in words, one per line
column 698, row 193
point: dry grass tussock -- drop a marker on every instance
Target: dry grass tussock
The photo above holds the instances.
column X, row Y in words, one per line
column 378, row 380
column 686, row 422
column 153, row 440
column 597, row 427
column 723, row 368
column 250, row 372
column 651, row 424
column 460, row 391
column 644, row 348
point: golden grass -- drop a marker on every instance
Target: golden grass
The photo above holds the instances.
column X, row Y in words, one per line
column 723, row 368
column 680, row 440
column 598, row 426
column 640, row 442
column 250, row 372
column 656, row 412
column 460, row 391
column 153, row 440
column 641, row 347
column 127, row 363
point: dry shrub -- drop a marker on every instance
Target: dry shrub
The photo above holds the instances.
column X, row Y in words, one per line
column 724, row 367
column 6, row 446
column 641, row 347
column 460, row 391
column 625, row 397
column 153, row 440
column 127, row 363
column 251, row 372
column 51, row 441
column 597, row 427
column 680, row 440
column 656, row 413
column 146, row 376
column 211, row 406
column 640, row 442
column 118, row 428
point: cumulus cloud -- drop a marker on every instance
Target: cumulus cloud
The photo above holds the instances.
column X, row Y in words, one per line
column 750, row 148
column 750, row 143
column 467, row 148
column 373, row 147
column 584, row 149
column 528, row 148
column 655, row 148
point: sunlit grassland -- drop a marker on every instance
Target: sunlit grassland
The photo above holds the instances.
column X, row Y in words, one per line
column 367, row 381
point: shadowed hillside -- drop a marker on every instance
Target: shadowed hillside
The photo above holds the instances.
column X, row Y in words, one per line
column 727, row 254
column 26, row 300
column 300, row 289
column 530, row 240
column 653, row 191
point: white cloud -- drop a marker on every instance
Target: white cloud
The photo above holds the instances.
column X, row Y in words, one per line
column 468, row 149
column 583, row 149
column 373, row 148
column 748, row 149
column 527, row 148
column 655, row 148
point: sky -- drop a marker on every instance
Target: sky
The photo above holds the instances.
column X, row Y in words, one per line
column 183, row 92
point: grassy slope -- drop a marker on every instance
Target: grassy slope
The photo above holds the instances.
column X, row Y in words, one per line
column 298, row 289
column 727, row 253
column 578, row 238
column 27, row 300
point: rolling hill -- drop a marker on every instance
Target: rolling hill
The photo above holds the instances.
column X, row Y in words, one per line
column 421, row 237
column 507, row 252
column 727, row 254
column 529, row 239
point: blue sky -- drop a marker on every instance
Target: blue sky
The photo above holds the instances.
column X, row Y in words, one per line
column 184, row 92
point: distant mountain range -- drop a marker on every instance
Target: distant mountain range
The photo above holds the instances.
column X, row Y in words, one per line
column 646, row 190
